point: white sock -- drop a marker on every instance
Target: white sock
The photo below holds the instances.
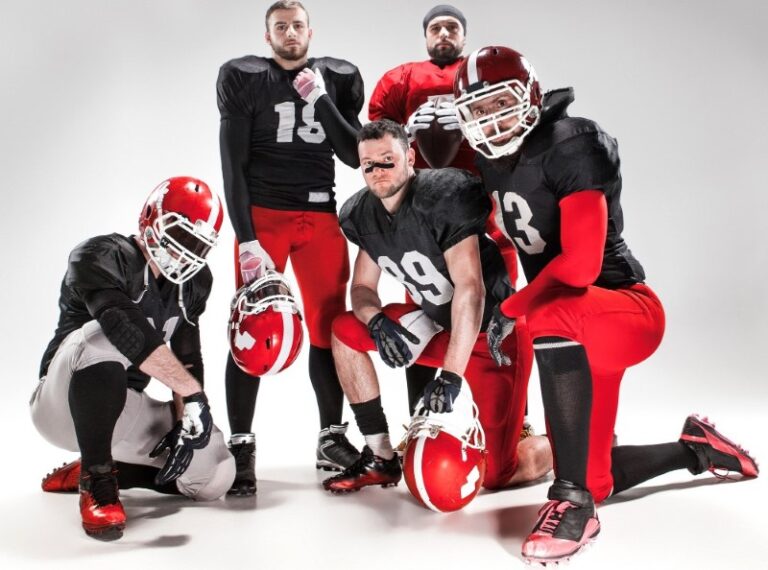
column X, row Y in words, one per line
column 380, row 445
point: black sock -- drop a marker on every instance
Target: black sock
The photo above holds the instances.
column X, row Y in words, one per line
column 131, row 475
column 370, row 417
column 417, row 377
column 96, row 399
column 566, row 389
column 633, row 464
column 242, row 389
column 330, row 396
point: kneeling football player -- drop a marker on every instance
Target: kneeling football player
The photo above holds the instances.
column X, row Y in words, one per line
column 426, row 229
column 122, row 299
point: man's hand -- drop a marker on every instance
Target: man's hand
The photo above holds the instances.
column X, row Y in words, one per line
column 420, row 119
column 192, row 431
column 441, row 393
column 310, row 85
column 388, row 336
column 446, row 116
column 499, row 328
column 254, row 261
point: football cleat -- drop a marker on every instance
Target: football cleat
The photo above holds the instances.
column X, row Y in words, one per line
column 243, row 447
column 715, row 452
column 100, row 508
column 334, row 452
column 368, row 470
column 64, row 479
column 567, row 523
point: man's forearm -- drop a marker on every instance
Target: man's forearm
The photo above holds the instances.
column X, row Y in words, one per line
column 466, row 317
column 365, row 302
column 163, row 365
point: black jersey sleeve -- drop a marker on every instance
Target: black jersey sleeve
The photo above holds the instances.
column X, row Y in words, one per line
column 588, row 161
column 348, row 214
column 454, row 203
column 185, row 344
column 235, row 106
column 96, row 264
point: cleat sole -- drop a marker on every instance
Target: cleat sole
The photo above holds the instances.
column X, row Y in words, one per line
column 105, row 534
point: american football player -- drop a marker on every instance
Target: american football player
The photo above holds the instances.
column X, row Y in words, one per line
column 122, row 299
column 417, row 94
column 282, row 120
column 557, row 183
column 426, row 229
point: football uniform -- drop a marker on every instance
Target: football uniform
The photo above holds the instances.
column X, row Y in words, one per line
column 442, row 208
column 116, row 264
column 277, row 158
column 561, row 166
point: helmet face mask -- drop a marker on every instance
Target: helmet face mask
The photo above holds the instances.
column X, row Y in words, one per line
column 498, row 100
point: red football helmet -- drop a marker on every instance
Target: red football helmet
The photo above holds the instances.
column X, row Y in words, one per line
column 179, row 224
column 265, row 333
column 498, row 100
column 444, row 460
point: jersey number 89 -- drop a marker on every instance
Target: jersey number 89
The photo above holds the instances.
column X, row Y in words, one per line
column 420, row 276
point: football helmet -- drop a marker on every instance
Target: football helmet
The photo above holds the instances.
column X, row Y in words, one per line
column 498, row 99
column 265, row 332
column 179, row 224
column 445, row 459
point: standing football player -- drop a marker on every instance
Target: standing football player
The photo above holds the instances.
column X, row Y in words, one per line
column 122, row 299
column 557, row 181
column 282, row 120
column 427, row 230
column 419, row 94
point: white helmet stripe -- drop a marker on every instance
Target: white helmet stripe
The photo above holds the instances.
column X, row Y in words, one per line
column 472, row 67
column 418, row 458
column 215, row 207
column 285, row 347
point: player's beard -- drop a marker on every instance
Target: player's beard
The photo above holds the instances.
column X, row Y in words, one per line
column 293, row 53
column 444, row 54
column 393, row 188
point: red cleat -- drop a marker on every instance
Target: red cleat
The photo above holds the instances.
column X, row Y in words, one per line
column 567, row 523
column 369, row 470
column 64, row 479
column 100, row 508
column 715, row 452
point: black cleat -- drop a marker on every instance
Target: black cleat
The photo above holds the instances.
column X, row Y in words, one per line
column 370, row 469
column 243, row 448
column 334, row 452
column 714, row 451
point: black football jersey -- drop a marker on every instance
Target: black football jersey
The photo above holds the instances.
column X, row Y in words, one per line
column 562, row 155
column 115, row 261
column 442, row 208
column 290, row 164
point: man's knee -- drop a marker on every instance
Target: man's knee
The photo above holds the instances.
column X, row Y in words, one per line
column 347, row 331
column 211, row 472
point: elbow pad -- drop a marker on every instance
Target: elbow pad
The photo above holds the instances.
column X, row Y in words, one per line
column 130, row 332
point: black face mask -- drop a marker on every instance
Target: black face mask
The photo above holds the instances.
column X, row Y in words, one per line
column 368, row 169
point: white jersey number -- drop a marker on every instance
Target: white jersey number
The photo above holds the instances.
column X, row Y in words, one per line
column 521, row 212
column 419, row 268
column 311, row 131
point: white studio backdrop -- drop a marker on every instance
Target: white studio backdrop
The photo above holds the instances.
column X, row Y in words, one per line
column 100, row 101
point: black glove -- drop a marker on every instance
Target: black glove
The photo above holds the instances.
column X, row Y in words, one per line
column 388, row 336
column 499, row 328
column 192, row 431
column 440, row 393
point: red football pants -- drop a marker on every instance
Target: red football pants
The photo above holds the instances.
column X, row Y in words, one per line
column 618, row 329
column 318, row 252
column 499, row 392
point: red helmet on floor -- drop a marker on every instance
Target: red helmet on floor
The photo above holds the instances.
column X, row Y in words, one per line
column 265, row 332
column 444, row 461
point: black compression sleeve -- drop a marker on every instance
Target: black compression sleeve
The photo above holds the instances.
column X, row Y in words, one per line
column 234, row 142
column 123, row 323
column 185, row 344
column 342, row 133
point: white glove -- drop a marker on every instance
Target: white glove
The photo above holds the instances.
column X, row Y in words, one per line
column 310, row 85
column 420, row 119
column 447, row 116
column 254, row 261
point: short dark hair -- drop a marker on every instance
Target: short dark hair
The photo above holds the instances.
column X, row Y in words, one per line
column 284, row 5
column 376, row 130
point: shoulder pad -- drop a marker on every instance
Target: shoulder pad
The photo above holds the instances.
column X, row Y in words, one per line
column 553, row 133
column 103, row 262
column 246, row 64
column 340, row 66
column 346, row 209
column 445, row 185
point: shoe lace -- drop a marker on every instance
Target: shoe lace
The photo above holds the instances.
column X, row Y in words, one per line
column 104, row 490
column 553, row 516
column 342, row 441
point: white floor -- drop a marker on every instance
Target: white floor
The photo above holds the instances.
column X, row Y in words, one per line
column 676, row 521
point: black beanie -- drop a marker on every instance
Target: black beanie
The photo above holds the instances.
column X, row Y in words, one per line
column 444, row 10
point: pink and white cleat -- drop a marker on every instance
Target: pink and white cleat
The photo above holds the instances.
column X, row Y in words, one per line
column 567, row 523
column 716, row 453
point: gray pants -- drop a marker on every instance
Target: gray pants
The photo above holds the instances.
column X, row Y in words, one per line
column 142, row 423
